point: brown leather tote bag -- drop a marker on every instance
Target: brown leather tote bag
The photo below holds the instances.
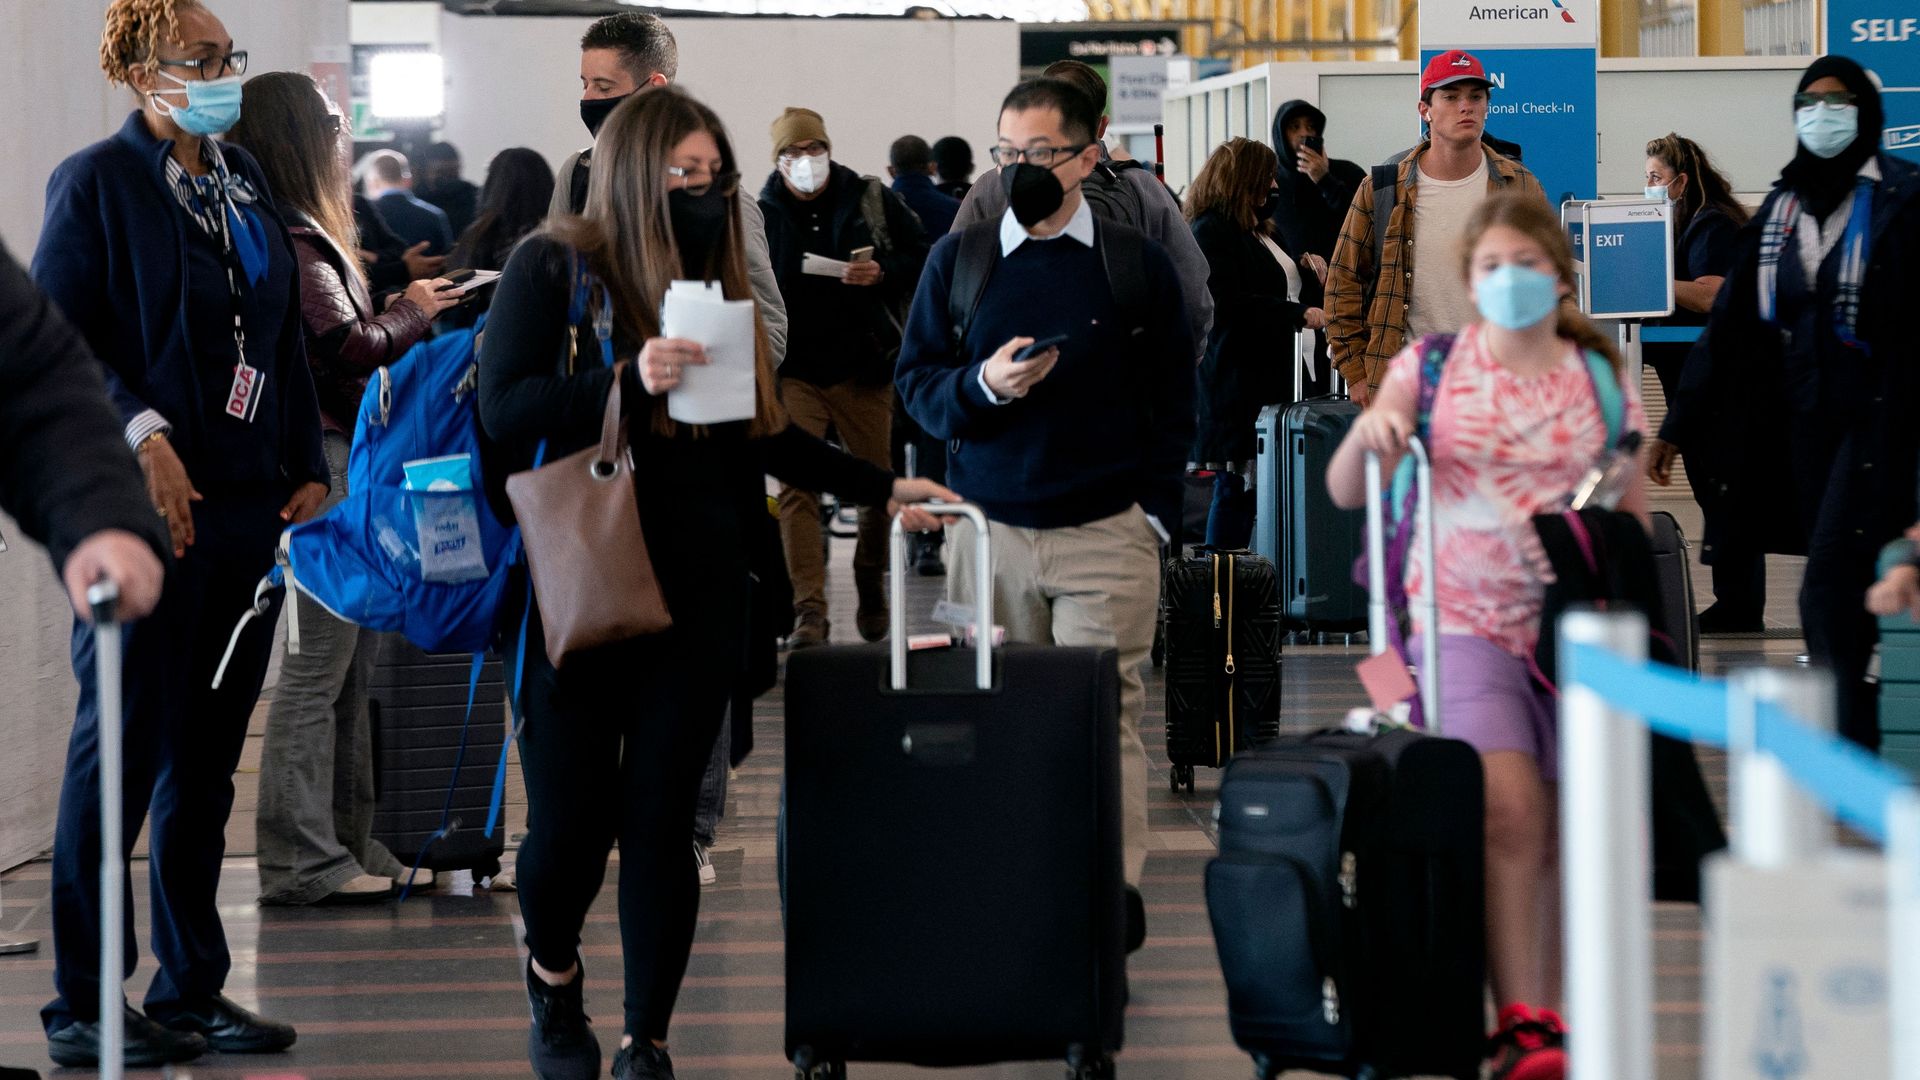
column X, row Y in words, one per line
column 580, row 523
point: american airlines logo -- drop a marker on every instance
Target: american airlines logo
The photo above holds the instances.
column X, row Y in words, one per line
column 1522, row 12
column 1565, row 15
column 1901, row 138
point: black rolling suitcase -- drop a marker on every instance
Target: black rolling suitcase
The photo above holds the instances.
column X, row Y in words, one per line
column 1220, row 619
column 1348, row 900
column 421, row 773
column 953, row 874
column 1313, row 542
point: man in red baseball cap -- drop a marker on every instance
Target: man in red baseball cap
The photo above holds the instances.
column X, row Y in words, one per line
column 1419, row 200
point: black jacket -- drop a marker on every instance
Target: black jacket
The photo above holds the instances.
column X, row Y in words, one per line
column 837, row 332
column 1310, row 214
column 1765, row 413
column 1249, row 357
column 65, row 470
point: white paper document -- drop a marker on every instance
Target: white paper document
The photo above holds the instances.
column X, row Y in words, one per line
column 722, row 390
column 822, row 266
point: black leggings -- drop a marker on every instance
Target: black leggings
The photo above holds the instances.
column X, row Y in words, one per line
column 614, row 747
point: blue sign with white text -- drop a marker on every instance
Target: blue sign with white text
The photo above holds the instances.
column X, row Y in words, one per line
column 1883, row 36
column 1546, row 101
column 1627, row 267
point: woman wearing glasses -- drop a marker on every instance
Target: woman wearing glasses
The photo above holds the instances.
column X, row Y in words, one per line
column 166, row 250
column 1803, row 392
column 316, row 773
column 616, row 744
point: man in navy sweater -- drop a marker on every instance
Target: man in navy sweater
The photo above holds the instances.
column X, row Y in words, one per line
column 1075, row 454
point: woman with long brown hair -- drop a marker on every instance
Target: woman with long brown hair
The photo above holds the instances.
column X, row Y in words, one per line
column 316, row 770
column 1706, row 241
column 1518, row 417
column 1259, row 301
column 615, row 745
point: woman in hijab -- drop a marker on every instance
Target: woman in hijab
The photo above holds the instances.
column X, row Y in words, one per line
column 1807, row 381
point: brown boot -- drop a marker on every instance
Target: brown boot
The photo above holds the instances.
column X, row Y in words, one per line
column 810, row 629
column 871, row 619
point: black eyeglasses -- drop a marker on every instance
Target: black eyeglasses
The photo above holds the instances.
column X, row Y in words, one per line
column 1044, row 156
column 1832, row 99
column 214, row 66
column 699, row 181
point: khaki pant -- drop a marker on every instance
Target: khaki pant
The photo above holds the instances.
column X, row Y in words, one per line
column 862, row 417
column 1094, row 584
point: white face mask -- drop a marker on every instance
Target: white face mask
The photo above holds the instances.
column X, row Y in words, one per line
column 1655, row 191
column 807, row 173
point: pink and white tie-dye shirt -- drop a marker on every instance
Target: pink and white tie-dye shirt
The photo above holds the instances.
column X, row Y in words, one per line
column 1504, row 448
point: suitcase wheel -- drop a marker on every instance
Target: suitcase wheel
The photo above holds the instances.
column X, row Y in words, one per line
column 1181, row 776
column 1264, row 1068
column 1080, row 1067
column 807, row 1066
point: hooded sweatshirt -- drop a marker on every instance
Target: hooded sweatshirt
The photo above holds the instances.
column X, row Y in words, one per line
column 1310, row 214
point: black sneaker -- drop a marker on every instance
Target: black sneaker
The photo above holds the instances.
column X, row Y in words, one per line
column 146, row 1045
column 228, row 1028
column 561, row 1044
column 642, row 1061
column 1136, row 920
column 1721, row 620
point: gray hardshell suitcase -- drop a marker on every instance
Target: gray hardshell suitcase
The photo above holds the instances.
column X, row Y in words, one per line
column 425, row 747
column 1313, row 543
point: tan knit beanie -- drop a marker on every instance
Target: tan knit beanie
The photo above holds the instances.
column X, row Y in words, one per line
column 797, row 126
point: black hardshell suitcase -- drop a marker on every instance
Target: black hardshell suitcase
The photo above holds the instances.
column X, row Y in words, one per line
column 1671, row 567
column 1318, row 541
column 1406, row 996
column 1220, row 619
column 418, row 702
column 953, row 870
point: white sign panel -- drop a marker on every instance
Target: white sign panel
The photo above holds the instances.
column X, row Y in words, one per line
column 1139, row 90
column 1540, row 24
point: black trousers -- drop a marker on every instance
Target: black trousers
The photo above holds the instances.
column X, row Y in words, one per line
column 1842, row 554
column 182, row 743
column 1739, row 571
column 614, row 747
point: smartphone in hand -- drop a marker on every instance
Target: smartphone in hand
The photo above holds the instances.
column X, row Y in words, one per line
column 456, row 278
column 1039, row 347
column 860, row 255
column 1315, row 143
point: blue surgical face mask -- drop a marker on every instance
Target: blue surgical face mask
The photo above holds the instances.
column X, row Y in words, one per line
column 1653, row 192
column 212, row 108
column 1826, row 131
column 1514, row 297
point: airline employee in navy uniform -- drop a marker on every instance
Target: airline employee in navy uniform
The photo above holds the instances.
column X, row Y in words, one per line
column 165, row 248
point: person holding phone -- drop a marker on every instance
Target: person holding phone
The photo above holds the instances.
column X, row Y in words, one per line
column 1313, row 191
column 316, row 771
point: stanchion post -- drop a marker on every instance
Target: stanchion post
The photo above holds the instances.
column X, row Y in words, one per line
column 105, row 600
column 1603, row 830
column 1903, row 933
column 1774, row 822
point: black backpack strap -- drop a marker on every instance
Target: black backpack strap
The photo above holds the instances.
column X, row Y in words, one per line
column 1386, row 192
column 1123, row 250
column 979, row 253
column 577, row 182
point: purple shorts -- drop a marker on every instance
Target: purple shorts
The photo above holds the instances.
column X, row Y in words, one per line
column 1490, row 700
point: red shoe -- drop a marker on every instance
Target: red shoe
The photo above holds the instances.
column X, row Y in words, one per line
column 1530, row 1045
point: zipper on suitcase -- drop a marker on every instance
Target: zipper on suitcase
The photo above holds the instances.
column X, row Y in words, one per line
column 1232, row 684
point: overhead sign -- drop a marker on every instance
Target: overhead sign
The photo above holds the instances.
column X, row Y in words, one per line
column 1139, row 88
column 1624, row 249
column 1884, row 37
column 1540, row 57
column 1095, row 43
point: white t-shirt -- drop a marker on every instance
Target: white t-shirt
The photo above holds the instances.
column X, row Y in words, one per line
column 1440, row 303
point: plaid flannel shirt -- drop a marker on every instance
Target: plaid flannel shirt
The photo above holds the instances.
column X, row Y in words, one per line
column 1361, row 338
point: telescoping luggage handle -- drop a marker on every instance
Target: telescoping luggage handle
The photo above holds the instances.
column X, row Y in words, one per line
column 1303, row 346
column 1377, row 611
column 982, row 587
column 104, row 598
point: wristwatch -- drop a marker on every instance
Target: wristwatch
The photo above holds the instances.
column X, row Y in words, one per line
column 149, row 441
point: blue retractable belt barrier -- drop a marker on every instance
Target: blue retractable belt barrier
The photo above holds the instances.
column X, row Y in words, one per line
column 1852, row 783
column 1682, row 334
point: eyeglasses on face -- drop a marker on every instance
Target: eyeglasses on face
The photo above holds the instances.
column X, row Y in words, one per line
column 1044, row 156
column 1832, row 99
column 700, row 181
column 213, row 67
column 805, row 149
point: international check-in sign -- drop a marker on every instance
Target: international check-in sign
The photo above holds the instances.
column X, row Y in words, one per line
column 1540, row 56
column 1624, row 253
column 1883, row 36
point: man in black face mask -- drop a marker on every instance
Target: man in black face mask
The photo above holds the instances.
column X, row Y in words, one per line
column 622, row 55
column 1076, row 453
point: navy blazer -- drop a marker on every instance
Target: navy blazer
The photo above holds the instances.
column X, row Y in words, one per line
column 415, row 220
column 114, row 256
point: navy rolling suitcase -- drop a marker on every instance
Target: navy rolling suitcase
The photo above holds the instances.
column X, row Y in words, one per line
column 952, row 852
column 430, row 760
column 1220, row 619
column 1348, row 901
column 1312, row 542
